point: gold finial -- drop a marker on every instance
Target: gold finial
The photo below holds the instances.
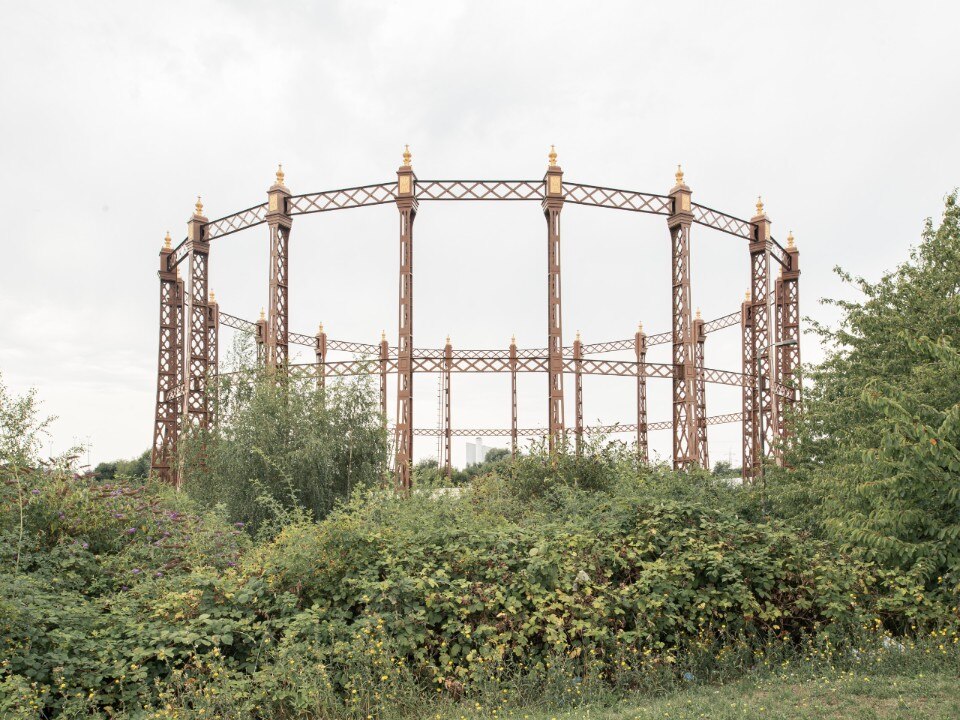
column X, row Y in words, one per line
column 383, row 336
column 640, row 328
column 746, row 296
column 699, row 316
column 552, row 156
column 790, row 240
column 280, row 174
column 406, row 156
column 167, row 241
column 578, row 336
column 679, row 175
column 199, row 206
column 213, row 297
column 320, row 329
column 513, row 339
column 263, row 315
column 759, row 205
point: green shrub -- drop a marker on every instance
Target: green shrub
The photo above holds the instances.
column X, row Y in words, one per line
column 288, row 442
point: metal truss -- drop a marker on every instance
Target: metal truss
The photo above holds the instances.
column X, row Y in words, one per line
column 362, row 196
column 480, row 190
column 190, row 320
column 229, row 224
column 277, row 348
column 552, row 205
column 587, row 429
column 166, row 426
column 721, row 221
column 617, row 199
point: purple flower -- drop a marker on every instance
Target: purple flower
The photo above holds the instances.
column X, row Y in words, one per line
column 35, row 492
column 131, row 531
column 231, row 564
column 136, row 571
column 86, row 546
column 238, row 524
column 158, row 574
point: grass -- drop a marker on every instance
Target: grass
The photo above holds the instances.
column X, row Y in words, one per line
column 856, row 695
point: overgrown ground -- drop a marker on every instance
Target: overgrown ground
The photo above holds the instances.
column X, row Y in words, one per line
column 849, row 696
column 289, row 582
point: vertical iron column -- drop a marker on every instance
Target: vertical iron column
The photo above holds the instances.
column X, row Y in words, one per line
column 749, row 468
column 447, row 446
column 703, row 457
column 788, row 360
column 321, row 354
column 640, row 346
column 195, row 400
column 166, row 419
column 403, row 441
column 213, row 354
column 552, row 205
column 578, row 390
column 764, row 428
column 513, row 397
column 384, row 356
column 684, row 394
column 181, row 351
column 261, row 338
column 279, row 222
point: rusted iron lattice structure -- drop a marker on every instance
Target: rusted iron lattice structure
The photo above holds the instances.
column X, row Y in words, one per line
column 768, row 318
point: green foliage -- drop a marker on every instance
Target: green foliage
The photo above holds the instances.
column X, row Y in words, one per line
column 427, row 472
column 875, row 465
column 136, row 469
column 286, row 441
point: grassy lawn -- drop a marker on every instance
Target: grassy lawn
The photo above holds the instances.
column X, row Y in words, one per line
column 838, row 696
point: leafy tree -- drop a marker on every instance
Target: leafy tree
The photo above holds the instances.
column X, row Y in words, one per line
column 860, row 470
column 280, row 443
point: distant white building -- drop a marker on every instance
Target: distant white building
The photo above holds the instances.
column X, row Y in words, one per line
column 477, row 452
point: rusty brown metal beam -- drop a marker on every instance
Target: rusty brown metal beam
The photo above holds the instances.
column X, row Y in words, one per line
column 403, row 437
column 684, row 393
column 552, row 205
column 166, row 426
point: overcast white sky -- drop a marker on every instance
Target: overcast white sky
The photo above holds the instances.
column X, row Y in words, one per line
column 115, row 115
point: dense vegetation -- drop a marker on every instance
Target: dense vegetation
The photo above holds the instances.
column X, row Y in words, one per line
column 288, row 582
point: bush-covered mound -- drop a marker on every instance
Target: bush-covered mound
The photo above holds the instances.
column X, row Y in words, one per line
column 120, row 598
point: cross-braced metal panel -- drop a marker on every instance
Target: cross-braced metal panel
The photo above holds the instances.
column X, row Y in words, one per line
column 722, row 322
column 703, row 457
column 587, row 430
column 721, row 221
column 403, row 436
column 177, row 256
column 684, row 394
column 166, row 424
column 251, row 217
column 643, row 445
column 365, row 195
column 480, row 190
column 198, row 356
column 552, row 207
column 617, row 199
column 763, row 349
column 750, row 464
column 278, row 318
column 232, row 321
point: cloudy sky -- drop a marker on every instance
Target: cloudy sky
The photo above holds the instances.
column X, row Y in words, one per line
column 115, row 115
